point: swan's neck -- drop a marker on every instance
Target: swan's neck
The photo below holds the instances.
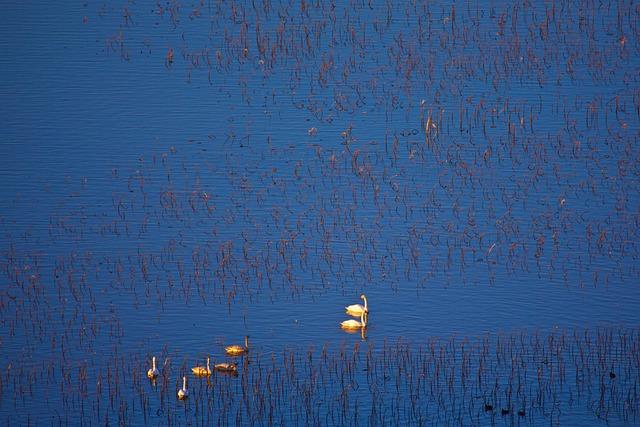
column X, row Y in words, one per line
column 154, row 363
column 207, row 363
column 184, row 383
column 362, row 319
column 365, row 302
column 246, row 342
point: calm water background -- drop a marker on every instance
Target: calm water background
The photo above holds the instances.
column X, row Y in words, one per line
column 179, row 175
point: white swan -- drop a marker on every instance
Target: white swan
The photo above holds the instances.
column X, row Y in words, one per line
column 357, row 309
column 183, row 393
column 236, row 350
column 201, row 371
column 354, row 324
column 153, row 372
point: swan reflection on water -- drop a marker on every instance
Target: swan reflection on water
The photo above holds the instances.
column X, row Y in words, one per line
column 353, row 331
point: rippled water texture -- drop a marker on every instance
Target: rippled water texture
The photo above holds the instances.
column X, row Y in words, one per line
column 178, row 175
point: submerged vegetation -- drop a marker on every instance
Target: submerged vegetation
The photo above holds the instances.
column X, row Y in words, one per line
column 530, row 375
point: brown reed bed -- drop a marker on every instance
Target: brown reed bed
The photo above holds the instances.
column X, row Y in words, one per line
column 529, row 376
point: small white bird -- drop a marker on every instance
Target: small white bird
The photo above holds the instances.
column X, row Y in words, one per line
column 183, row 393
column 153, row 372
column 357, row 309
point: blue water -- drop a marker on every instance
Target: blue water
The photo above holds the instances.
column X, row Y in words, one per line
column 177, row 176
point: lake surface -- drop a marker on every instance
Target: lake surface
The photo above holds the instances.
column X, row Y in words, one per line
column 179, row 175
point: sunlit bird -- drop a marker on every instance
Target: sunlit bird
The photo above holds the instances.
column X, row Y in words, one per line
column 183, row 393
column 202, row 371
column 153, row 371
column 226, row 367
column 357, row 309
column 236, row 350
column 354, row 324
